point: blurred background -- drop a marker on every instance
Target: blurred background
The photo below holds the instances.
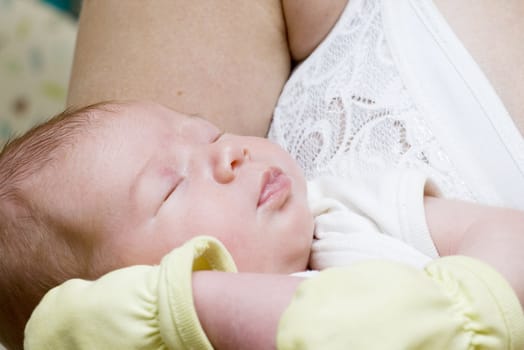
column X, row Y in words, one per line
column 37, row 39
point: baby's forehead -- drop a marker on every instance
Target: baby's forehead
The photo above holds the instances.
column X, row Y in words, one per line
column 130, row 114
column 128, row 122
column 110, row 122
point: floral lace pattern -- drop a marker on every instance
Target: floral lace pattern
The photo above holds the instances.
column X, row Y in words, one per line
column 345, row 110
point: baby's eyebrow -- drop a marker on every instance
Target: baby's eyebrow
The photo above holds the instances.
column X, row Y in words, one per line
column 196, row 115
column 199, row 116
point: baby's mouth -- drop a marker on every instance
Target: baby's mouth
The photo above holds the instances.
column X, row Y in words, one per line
column 275, row 188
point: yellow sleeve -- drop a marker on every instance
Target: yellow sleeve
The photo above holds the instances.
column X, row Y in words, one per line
column 139, row 307
column 454, row 303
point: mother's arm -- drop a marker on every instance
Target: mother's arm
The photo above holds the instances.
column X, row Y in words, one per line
column 491, row 234
column 308, row 22
column 225, row 60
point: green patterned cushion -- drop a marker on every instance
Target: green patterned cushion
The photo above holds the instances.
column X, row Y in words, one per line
column 36, row 51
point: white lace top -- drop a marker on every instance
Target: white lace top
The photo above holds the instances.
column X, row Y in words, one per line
column 391, row 86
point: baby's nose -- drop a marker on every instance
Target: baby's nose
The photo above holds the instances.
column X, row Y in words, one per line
column 229, row 159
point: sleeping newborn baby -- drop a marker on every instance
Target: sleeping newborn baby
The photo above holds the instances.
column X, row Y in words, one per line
column 134, row 183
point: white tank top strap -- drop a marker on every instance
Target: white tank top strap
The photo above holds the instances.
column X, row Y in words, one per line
column 392, row 87
column 449, row 87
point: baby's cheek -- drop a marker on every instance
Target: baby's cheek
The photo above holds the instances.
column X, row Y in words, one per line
column 303, row 229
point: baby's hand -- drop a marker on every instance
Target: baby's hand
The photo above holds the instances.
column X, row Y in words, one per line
column 135, row 307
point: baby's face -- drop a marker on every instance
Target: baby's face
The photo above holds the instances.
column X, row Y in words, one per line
column 152, row 178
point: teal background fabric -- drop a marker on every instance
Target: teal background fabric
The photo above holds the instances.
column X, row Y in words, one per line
column 36, row 51
column 70, row 6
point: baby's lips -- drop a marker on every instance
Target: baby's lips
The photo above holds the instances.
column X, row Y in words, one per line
column 274, row 189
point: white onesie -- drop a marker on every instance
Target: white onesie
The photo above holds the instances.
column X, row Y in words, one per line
column 374, row 218
column 392, row 87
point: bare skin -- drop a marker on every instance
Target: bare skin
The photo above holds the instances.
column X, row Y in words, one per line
column 308, row 22
column 226, row 60
column 493, row 33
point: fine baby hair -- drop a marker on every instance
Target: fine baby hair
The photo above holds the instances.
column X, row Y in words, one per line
column 119, row 184
column 37, row 253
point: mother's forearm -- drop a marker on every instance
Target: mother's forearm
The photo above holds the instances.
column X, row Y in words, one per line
column 498, row 241
column 494, row 235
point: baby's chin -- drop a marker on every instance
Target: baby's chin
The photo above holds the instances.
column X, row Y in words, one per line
column 291, row 262
column 300, row 261
column 303, row 242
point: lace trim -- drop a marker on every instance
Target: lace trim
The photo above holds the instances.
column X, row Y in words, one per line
column 346, row 110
